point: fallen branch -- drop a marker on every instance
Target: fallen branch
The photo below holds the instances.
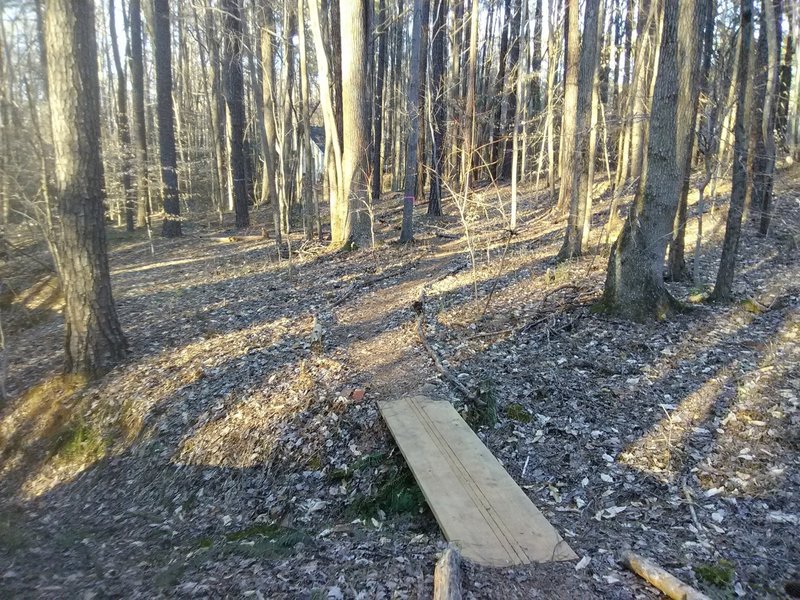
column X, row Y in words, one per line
column 419, row 306
column 447, row 576
column 388, row 273
column 667, row 583
column 238, row 238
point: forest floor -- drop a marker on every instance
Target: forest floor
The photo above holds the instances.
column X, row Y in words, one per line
column 228, row 456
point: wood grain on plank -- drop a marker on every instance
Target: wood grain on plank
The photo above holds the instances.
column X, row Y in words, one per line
column 479, row 507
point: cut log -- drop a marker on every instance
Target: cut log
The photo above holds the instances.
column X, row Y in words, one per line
column 667, row 583
column 447, row 576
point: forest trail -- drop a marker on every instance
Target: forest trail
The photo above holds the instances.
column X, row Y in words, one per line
column 226, row 455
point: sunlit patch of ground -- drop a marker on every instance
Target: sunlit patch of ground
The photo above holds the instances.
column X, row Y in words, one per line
column 267, row 421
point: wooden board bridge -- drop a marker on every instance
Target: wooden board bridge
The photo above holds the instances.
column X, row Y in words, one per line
column 477, row 504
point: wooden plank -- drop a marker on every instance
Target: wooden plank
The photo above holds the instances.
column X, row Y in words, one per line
column 479, row 507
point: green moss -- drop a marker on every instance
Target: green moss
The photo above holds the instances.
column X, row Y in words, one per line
column 80, row 442
column 13, row 536
column 265, row 540
column 517, row 412
column 487, row 394
column 718, row 574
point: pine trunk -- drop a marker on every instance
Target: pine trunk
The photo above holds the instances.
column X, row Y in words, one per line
column 166, row 120
column 94, row 339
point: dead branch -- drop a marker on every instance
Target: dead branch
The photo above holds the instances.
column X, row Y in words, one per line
column 419, row 306
column 447, row 576
column 667, row 583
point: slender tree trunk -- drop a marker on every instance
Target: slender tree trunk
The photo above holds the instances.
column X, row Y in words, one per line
column 691, row 27
column 422, row 111
column 569, row 122
column 377, row 121
column 136, row 62
column 166, row 124
column 497, row 132
column 217, row 112
column 763, row 191
column 576, row 235
column 94, row 340
column 471, row 116
column 536, row 60
column 512, row 76
column 307, row 180
column 268, row 95
column 438, row 93
column 287, row 132
column 723, row 288
column 234, row 102
column 338, row 205
column 407, row 231
column 122, row 123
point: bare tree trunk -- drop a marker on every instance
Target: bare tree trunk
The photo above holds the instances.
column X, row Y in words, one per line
column 578, row 171
column 94, row 340
column 217, row 112
column 307, row 181
column 513, row 75
column 763, row 185
column 333, row 153
column 497, row 132
column 136, row 62
column 354, row 23
column 122, row 123
column 439, row 91
column 422, row 111
column 690, row 50
column 234, row 102
column 407, row 231
column 268, row 94
column 724, row 285
column 166, row 124
column 470, row 120
column 635, row 282
column 377, row 121
column 569, row 121
column 287, row 133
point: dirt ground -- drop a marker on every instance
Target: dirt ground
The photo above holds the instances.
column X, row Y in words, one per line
column 230, row 456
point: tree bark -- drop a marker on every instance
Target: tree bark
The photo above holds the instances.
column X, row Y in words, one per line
column 764, row 180
column 94, row 340
column 512, row 75
column 136, row 61
column 377, row 121
column 413, row 107
column 569, row 122
column 723, row 287
column 354, row 23
column 268, row 95
column 438, row 94
column 307, row 180
column 338, row 206
column 634, row 285
column 576, row 236
column 234, row 102
column 690, row 34
column 123, row 127
column 166, row 120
